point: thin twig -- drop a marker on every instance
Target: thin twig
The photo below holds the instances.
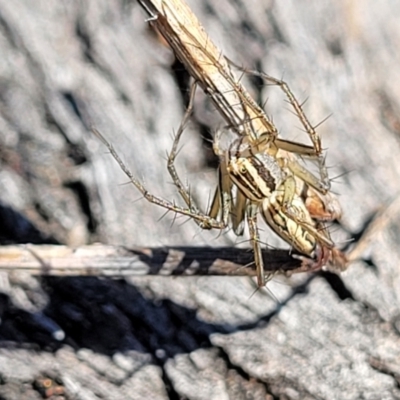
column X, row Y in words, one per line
column 383, row 218
column 208, row 66
column 113, row 261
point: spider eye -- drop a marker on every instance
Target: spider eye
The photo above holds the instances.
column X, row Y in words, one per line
column 243, row 169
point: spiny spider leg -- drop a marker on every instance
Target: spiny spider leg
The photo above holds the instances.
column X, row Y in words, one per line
column 252, row 210
column 296, row 148
column 203, row 220
column 183, row 191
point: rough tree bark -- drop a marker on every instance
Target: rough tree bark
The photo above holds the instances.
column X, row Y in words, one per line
column 66, row 66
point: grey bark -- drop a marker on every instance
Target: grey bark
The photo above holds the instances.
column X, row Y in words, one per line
column 68, row 66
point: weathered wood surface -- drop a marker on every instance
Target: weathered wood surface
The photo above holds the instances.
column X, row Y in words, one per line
column 67, row 66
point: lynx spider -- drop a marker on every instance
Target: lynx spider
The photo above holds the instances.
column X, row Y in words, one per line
column 285, row 208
